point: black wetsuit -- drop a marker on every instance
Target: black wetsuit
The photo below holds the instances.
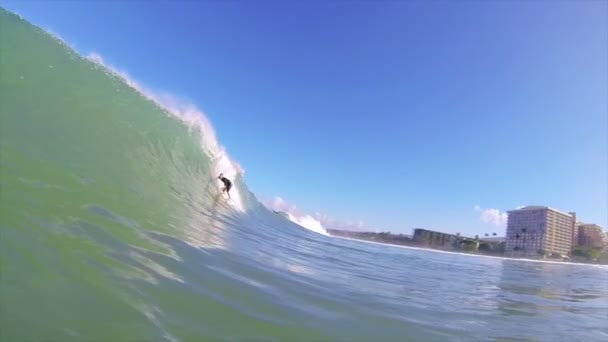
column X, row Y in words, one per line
column 227, row 183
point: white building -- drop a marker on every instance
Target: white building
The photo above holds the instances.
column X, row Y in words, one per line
column 534, row 231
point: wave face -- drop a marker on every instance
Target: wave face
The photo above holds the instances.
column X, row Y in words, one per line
column 113, row 228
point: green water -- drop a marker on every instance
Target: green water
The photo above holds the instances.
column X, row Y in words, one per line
column 88, row 168
column 112, row 228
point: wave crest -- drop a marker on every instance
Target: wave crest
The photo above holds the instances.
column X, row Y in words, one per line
column 193, row 118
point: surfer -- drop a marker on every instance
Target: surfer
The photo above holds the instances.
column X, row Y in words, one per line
column 227, row 184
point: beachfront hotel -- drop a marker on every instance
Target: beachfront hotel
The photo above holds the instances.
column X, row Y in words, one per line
column 535, row 231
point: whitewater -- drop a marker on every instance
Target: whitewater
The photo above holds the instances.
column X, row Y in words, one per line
column 113, row 228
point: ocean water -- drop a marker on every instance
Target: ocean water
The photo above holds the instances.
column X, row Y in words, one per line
column 112, row 228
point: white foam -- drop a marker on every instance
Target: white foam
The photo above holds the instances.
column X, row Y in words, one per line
column 194, row 119
column 303, row 220
column 309, row 223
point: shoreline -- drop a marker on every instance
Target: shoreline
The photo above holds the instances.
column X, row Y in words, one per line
column 471, row 254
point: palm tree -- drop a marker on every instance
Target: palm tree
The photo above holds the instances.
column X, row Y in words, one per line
column 524, row 230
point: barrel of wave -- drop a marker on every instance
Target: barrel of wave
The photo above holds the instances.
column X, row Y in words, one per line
column 231, row 170
column 220, row 160
column 196, row 121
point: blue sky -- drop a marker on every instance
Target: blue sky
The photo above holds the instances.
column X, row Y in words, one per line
column 399, row 114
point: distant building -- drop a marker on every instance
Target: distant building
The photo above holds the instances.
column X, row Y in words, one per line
column 590, row 236
column 492, row 244
column 493, row 239
column 434, row 239
column 539, row 230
